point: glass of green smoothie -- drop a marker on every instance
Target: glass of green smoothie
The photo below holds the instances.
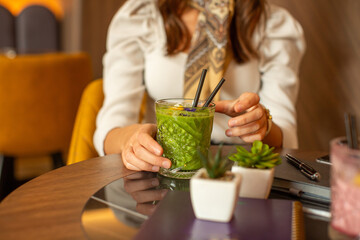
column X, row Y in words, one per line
column 182, row 130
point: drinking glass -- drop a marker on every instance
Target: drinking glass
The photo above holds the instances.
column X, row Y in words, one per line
column 345, row 188
column 182, row 131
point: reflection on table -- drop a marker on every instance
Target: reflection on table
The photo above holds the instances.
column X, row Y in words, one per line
column 118, row 210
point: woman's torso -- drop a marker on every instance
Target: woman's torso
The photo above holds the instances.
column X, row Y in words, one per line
column 164, row 78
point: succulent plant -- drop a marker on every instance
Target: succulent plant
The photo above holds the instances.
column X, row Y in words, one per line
column 261, row 156
column 217, row 165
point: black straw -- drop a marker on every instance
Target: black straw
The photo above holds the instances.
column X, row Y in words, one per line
column 212, row 95
column 351, row 131
column 348, row 129
column 354, row 132
column 198, row 91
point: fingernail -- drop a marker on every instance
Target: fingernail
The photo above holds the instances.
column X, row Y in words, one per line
column 164, row 192
column 155, row 168
column 231, row 123
column 229, row 133
column 166, row 164
column 155, row 182
column 157, row 151
column 238, row 108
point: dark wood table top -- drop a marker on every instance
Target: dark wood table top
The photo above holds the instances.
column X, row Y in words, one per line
column 50, row 206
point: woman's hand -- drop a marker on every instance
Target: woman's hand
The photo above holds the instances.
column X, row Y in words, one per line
column 142, row 188
column 138, row 148
column 249, row 120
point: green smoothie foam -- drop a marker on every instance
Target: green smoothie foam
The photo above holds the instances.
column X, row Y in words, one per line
column 182, row 131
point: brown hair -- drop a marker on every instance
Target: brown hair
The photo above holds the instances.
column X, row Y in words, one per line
column 247, row 15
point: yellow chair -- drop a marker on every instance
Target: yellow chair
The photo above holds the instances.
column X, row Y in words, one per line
column 82, row 146
column 39, row 97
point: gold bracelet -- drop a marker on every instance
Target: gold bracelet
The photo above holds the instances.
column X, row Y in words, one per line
column 269, row 121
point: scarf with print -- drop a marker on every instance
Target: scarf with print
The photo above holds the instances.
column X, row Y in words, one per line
column 210, row 48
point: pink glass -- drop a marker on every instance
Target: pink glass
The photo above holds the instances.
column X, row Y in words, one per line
column 345, row 188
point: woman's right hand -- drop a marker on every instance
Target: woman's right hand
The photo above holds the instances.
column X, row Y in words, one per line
column 138, row 148
column 142, row 186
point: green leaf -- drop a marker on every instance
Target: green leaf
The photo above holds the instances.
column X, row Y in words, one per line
column 271, row 156
column 242, row 150
column 218, row 156
column 234, row 158
column 204, row 160
column 257, row 147
column 215, row 166
column 260, row 166
column 260, row 156
column 273, row 161
column 266, row 150
column 243, row 164
column 267, row 165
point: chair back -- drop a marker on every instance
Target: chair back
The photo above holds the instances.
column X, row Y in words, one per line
column 82, row 146
column 7, row 29
column 39, row 97
column 37, row 31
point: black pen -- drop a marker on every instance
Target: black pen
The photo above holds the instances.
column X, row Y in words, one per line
column 307, row 170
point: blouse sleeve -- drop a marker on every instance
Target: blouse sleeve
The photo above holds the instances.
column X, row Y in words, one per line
column 281, row 48
column 130, row 35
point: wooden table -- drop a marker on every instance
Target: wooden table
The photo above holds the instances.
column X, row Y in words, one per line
column 50, row 206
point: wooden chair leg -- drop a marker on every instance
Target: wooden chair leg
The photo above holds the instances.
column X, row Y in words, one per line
column 57, row 159
column 7, row 175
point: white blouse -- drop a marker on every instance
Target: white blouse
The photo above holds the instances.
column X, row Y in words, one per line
column 136, row 60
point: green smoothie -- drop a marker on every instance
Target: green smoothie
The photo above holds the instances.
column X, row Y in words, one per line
column 182, row 130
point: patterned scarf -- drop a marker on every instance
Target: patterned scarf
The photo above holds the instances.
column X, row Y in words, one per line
column 209, row 46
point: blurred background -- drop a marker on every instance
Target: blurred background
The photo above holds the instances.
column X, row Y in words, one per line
column 329, row 74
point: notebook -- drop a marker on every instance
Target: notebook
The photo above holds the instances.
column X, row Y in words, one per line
column 289, row 179
column 253, row 219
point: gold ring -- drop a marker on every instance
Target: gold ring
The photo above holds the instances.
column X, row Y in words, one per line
column 269, row 121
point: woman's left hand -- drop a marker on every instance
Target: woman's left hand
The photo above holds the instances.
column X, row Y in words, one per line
column 249, row 120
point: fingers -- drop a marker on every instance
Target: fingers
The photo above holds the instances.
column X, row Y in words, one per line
column 132, row 162
column 144, row 189
column 257, row 113
column 147, row 208
column 147, row 138
column 225, row 106
column 246, row 101
column 250, row 126
column 143, row 152
column 131, row 186
column 149, row 195
column 142, row 159
column 248, row 117
column 142, row 186
column 243, row 104
column 242, row 130
column 250, row 132
column 258, row 135
column 127, row 164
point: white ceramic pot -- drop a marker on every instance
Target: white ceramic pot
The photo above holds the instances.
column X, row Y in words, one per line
column 214, row 199
column 255, row 183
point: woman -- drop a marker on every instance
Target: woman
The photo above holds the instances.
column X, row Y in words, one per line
column 162, row 46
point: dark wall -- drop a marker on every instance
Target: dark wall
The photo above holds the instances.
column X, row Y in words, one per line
column 96, row 17
column 330, row 72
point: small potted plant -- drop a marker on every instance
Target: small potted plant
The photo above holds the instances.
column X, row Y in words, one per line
column 256, row 168
column 214, row 189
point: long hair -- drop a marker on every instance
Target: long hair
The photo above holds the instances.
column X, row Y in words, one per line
column 247, row 15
